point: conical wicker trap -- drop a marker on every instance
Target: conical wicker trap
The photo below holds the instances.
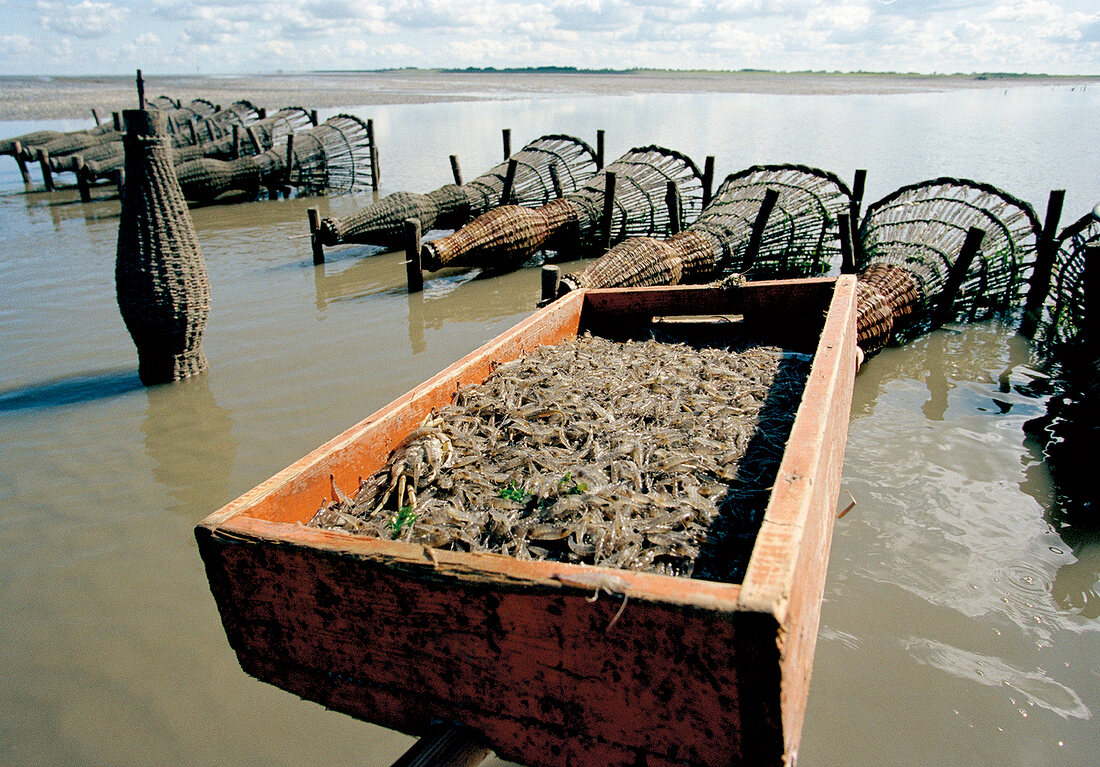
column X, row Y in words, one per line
column 801, row 237
column 1064, row 310
column 333, row 157
column 568, row 159
column 577, row 222
column 921, row 228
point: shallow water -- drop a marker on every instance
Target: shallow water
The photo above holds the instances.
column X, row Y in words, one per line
column 960, row 622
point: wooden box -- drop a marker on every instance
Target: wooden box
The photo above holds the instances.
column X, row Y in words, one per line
column 692, row 672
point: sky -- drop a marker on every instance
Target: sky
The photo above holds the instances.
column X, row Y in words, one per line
column 86, row 37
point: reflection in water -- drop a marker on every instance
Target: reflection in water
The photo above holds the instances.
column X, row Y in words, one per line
column 416, row 322
column 70, row 390
column 1035, row 686
column 189, row 439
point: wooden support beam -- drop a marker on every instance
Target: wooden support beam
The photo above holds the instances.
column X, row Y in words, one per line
column 44, row 164
column 675, row 208
column 509, row 181
column 17, row 152
column 555, row 179
column 855, row 206
column 289, row 164
column 318, row 247
column 140, row 90
column 117, row 117
column 752, row 250
column 77, row 166
column 456, row 170
column 413, row 269
column 551, row 279
column 847, row 261
column 955, row 278
column 447, row 745
column 1045, row 252
column 599, row 149
column 95, row 116
column 608, row 209
column 708, row 180
column 313, row 117
column 253, row 139
column 506, row 135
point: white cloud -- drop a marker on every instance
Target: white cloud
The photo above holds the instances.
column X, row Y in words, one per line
column 85, row 19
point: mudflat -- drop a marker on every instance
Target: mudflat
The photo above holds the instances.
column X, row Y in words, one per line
column 45, row 98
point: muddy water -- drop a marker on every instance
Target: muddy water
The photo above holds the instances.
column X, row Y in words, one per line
column 961, row 617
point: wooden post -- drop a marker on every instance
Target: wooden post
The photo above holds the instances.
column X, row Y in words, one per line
column 21, row 162
column 847, row 262
column 1046, row 250
column 314, row 236
column 313, row 117
column 675, row 207
column 118, row 121
column 193, row 132
column 140, row 90
column 551, row 279
column 855, row 206
column 412, row 255
column 509, row 181
column 448, row 745
column 556, row 181
column 374, row 167
column 254, row 140
column 289, row 164
column 44, row 163
column 77, row 165
column 456, row 171
column 375, row 172
column 956, row 276
column 599, row 149
column 506, row 135
column 120, row 181
column 260, row 111
column 95, row 116
column 236, row 151
column 210, row 131
column 608, row 209
column 758, row 227
column 708, row 180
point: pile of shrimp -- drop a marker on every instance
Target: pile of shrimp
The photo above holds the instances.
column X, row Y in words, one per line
column 643, row 455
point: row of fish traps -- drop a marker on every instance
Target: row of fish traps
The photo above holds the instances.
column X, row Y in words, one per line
column 237, row 149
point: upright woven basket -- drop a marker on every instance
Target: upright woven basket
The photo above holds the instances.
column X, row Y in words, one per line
column 160, row 275
column 568, row 159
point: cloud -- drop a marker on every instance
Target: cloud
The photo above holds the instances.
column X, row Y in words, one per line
column 87, row 20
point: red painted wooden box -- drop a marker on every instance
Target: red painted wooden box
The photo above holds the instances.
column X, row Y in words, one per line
column 693, row 672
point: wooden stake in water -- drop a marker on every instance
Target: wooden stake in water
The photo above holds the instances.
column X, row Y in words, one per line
column 318, row 247
column 1044, row 265
column 847, row 261
column 456, row 171
column 44, row 164
column 957, row 275
column 551, row 279
column 675, row 207
column 509, row 181
column 758, row 227
column 608, row 209
column 506, row 136
column 599, row 149
column 17, row 151
column 708, row 180
column 140, row 90
column 77, row 166
column 413, row 270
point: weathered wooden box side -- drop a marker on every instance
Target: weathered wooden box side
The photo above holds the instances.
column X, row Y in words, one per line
column 691, row 672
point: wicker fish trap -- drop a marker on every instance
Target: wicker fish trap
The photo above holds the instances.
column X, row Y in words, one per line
column 333, row 157
column 273, row 129
column 217, row 126
column 577, row 222
column 802, row 235
column 29, row 141
column 76, row 141
column 922, row 227
column 801, row 239
column 1064, row 311
column 160, row 276
column 162, row 102
column 568, row 159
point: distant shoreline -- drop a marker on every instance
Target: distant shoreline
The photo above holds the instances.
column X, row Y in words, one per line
column 62, row 97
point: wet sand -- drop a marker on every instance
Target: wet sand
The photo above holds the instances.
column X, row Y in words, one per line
column 44, row 98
